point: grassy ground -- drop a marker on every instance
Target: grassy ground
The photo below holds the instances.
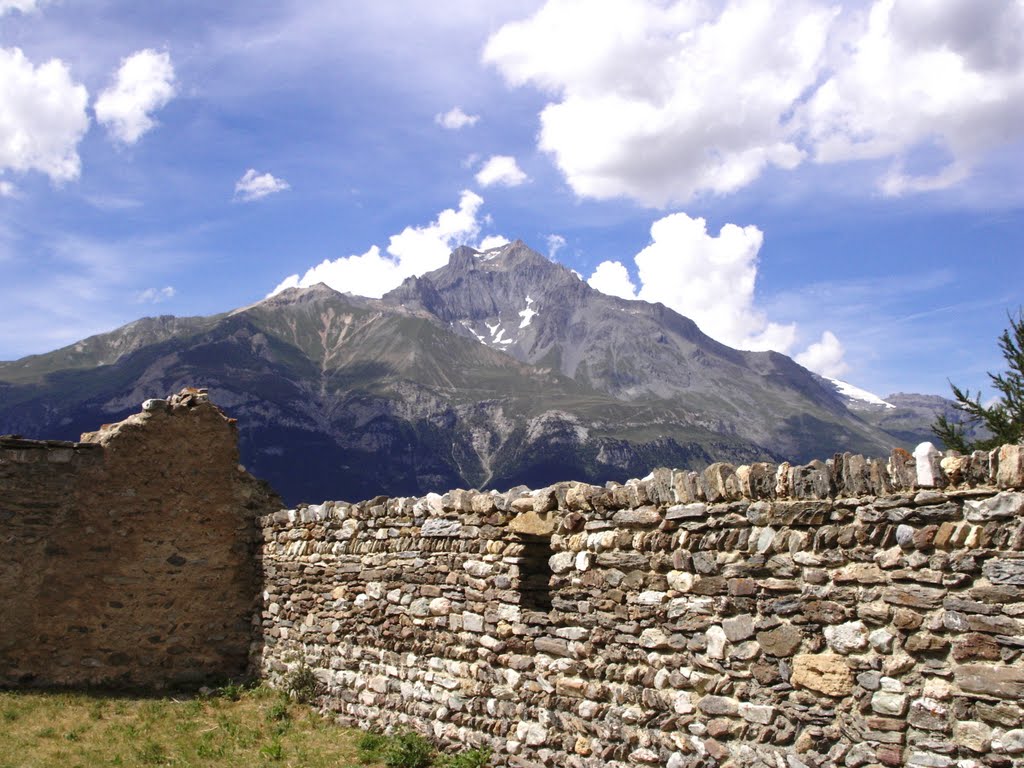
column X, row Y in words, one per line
column 244, row 728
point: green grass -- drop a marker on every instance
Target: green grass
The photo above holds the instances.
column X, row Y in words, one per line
column 237, row 728
column 243, row 728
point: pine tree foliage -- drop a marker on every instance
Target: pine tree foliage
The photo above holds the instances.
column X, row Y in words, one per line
column 1004, row 420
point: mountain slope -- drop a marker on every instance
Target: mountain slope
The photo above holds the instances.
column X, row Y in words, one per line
column 513, row 299
column 500, row 368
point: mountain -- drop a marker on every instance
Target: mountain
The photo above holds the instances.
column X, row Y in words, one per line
column 500, row 368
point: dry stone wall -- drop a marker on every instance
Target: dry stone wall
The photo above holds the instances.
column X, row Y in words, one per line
column 851, row 612
column 128, row 557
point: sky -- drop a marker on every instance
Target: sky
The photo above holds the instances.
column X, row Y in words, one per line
column 838, row 181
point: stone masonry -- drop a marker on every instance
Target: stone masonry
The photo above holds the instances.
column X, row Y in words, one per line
column 852, row 612
column 128, row 557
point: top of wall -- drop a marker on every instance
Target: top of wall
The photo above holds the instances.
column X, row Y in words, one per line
column 843, row 477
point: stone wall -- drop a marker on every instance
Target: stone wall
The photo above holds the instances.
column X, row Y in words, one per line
column 128, row 557
column 851, row 612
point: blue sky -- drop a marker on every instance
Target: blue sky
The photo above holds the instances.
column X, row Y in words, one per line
column 838, row 181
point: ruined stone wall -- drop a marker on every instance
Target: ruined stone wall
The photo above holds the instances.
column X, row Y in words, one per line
column 128, row 557
column 851, row 612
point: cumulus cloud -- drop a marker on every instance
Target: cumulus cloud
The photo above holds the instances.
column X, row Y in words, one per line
column 7, row 189
column 665, row 101
column 455, row 118
column 143, row 84
column 413, row 251
column 42, row 117
column 254, row 185
column 711, row 280
column 612, row 278
column 501, row 170
column 155, row 295
column 824, row 357
column 492, row 241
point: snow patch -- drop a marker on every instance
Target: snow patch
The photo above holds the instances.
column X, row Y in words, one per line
column 468, row 327
column 527, row 314
column 856, row 393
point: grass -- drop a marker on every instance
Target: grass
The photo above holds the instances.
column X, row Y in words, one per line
column 250, row 728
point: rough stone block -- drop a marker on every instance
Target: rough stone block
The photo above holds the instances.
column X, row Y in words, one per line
column 826, row 673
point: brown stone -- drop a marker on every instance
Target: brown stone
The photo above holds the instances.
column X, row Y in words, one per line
column 975, row 646
column 827, row 673
column 781, row 641
column 997, row 681
column 914, row 596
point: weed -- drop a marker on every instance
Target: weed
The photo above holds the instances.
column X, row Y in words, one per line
column 471, row 758
column 273, row 750
column 408, row 750
column 151, row 753
column 10, row 715
column 231, row 692
column 47, row 733
column 278, row 712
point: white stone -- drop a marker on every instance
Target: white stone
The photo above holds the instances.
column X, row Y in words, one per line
column 716, row 642
column 847, row 638
column 891, row 704
column 1002, row 505
column 653, row 638
column 561, row 562
column 472, row 622
column 651, row 597
column 583, row 560
column 891, row 684
column 681, row 581
column 928, row 463
column 881, row 640
column 440, row 606
column 682, row 704
column 1012, row 741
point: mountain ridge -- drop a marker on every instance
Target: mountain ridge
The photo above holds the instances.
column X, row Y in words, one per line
column 454, row 378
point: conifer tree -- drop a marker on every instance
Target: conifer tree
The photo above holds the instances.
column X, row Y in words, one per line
column 1003, row 420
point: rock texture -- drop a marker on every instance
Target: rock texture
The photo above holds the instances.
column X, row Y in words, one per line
column 128, row 556
column 851, row 612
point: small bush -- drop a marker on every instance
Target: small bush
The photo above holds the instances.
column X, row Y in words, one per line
column 471, row 758
column 302, row 684
column 371, row 747
column 408, row 750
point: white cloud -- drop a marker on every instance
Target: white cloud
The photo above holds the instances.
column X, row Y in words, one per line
column 502, row 170
column 7, row 189
column 254, row 185
column 555, row 244
column 949, row 74
column 455, row 118
column 155, row 295
column 665, row 101
column 22, row 6
column 711, row 280
column 612, row 278
column 144, row 83
column 42, row 117
column 492, row 241
column 824, row 357
column 414, row 251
